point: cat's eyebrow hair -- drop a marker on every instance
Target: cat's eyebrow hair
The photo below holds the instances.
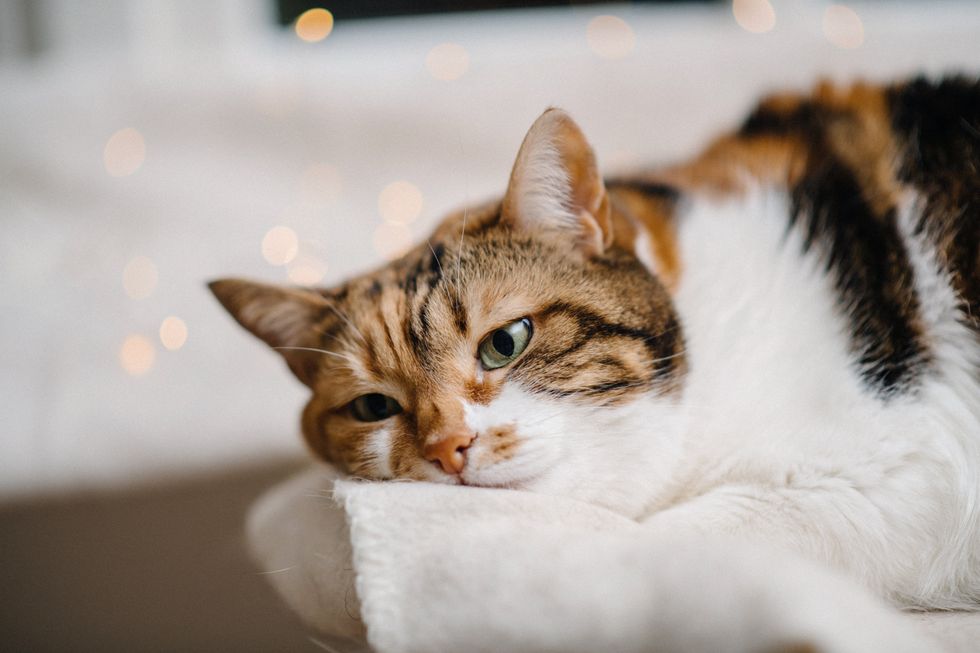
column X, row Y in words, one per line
column 459, row 313
column 426, row 271
column 662, row 346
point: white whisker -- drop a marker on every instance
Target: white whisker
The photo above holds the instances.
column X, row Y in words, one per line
column 459, row 253
column 343, row 316
column 435, row 256
column 353, row 362
column 323, row 645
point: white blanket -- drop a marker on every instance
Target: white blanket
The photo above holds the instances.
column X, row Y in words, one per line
column 439, row 568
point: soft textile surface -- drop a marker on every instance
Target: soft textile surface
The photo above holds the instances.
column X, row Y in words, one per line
column 436, row 568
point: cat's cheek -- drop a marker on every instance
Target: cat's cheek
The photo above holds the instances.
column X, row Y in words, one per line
column 378, row 448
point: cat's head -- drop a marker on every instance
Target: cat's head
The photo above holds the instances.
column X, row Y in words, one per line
column 523, row 345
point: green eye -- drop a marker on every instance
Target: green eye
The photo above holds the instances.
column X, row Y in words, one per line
column 374, row 407
column 504, row 345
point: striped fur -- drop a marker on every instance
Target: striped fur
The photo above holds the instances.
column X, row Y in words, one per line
column 788, row 324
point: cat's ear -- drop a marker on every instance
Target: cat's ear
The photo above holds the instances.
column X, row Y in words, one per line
column 555, row 187
column 284, row 318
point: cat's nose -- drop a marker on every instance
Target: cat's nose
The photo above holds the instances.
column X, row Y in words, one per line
column 449, row 452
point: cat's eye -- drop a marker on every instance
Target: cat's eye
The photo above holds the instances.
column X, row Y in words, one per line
column 374, row 407
column 505, row 344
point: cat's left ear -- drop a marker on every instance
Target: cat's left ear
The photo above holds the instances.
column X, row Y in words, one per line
column 284, row 318
column 555, row 187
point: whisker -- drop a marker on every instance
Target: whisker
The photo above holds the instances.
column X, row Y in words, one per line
column 353, row 362
column 343, row 316
column 459, row 254
column 667, row 358
column 435, row 256
column 334, row 336
column 323, row 645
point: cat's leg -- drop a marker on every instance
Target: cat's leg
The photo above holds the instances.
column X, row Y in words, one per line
column 869, row 540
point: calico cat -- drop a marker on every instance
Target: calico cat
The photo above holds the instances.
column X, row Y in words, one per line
column 779, row 339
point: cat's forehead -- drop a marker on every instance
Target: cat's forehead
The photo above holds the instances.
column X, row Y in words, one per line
column 445, row 291
column 418, row 320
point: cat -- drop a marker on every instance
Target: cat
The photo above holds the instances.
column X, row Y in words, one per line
column 778, row 340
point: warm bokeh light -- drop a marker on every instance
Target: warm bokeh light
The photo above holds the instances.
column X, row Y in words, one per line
column 124, row 152
column 307, row 271
column 321, row 184
column 610, row 37
column 137, row 355
column 173, row 333
column 280, row 245
column 447, row 61
column 842, row 27
column 400, row 203
column 140, row 277
column 314, row 25
column 756, row 16
column 392, row 240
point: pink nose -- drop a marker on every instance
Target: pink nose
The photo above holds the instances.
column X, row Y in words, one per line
column 449, row 452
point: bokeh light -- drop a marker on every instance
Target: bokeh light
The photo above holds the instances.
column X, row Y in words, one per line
column 124, row 152
column 280, row 245
column 610, row 37
column 392, row 240
column 173, row 333
column 314, row 25
column 756, row 16
column 137, row 355
column 843, row 27
column 307, row 270
column 321, row 184
column 140, row 277
column 447, row 61
column 400, row 203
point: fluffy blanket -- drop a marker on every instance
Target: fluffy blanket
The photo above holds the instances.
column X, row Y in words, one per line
column 423, row 567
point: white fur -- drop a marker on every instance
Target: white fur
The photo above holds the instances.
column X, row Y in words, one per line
column 607, row 456
column 643, row 248
column 785, row 444
column 379, row 446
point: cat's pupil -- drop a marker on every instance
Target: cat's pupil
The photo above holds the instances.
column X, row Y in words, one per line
column 377, row 405
column 503, row 342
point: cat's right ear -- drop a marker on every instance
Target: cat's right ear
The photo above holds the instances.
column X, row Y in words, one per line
column 555, row 188
column 283, row 318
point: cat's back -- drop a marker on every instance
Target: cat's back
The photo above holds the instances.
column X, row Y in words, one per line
column 840, row 249
column 830, row 299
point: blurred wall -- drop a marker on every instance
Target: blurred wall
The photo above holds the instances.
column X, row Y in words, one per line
column 141, row 28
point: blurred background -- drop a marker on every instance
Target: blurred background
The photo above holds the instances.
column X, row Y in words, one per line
column 147, row 146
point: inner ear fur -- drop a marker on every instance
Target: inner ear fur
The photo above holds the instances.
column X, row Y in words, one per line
column 555, row 187
column 286, row 319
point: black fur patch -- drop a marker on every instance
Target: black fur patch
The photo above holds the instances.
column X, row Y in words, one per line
column 651, row 189
column 937, row 126
column 863, row 249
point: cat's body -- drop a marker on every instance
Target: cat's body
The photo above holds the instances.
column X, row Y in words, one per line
column 779, row 340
